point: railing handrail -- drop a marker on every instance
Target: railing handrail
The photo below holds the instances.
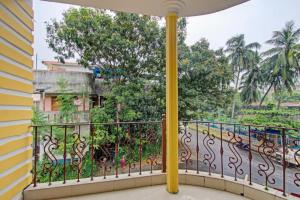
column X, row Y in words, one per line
column 227, row 136
column 94, row 123
column 153, row 122
column 239, row 124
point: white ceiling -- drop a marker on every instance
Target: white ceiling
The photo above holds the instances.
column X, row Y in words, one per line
column 183, row 8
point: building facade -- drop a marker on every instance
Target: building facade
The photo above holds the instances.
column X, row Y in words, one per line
column 15, row 96
column 81, row 83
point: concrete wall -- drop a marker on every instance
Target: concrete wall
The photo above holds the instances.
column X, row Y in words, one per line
column 48, row 104
column 16, row 26
column 77, row 81
column 80, row 106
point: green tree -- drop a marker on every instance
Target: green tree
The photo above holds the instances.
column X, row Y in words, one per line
column 204, row 78
column 281, row 64
column 252, row 80
column 65, row 99
column 102, row 136
column 84, row 93
column 38, row 117
column 130, row 50
column 240, row 55
column 127, row 48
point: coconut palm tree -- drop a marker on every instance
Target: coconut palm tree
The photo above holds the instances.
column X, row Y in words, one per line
column 251, row 80
column 297, row 53
column 281, row 64
column 240, row 55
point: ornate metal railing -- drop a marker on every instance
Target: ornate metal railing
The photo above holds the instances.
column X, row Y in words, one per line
column 269, row 156
column 85, row 150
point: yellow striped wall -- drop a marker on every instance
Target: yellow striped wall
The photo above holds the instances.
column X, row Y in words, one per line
column 16, row 38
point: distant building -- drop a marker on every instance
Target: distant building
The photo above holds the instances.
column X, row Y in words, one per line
column 80, row 80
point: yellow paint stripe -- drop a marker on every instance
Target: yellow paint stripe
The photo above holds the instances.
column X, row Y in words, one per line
column 15, row 130
column 18, row 188
column 14, row 176
column 15, row 70
column 7, row 99
column 16, row 26
column 15, row 85
column 15, row 55
column 10, row 5
column 16, row 41
column 26, row 7
column 12, row 161
column 12, row 115
column 15, row 145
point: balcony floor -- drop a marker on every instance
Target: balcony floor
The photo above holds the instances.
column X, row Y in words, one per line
column 159, row 192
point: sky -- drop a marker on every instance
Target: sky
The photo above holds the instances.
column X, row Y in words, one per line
column 257, row 19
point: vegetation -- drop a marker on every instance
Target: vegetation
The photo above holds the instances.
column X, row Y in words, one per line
column 103, row 135
column 130, row 50
column 281, row 66
column 204, row 80
column 65, row 101
column 273, row 117
column 242, row 57
column 38, row 117
column 215, row 85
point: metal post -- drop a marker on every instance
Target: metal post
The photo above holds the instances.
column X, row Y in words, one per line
column 250, row 155
column 197, row 147
column 221, row 151
column 163, row 142
column 35, row 156
column 65, row 154
column 284, row 160
column 92, row 151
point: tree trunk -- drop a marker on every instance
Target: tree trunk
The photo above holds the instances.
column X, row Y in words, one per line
column 278, row 103
column 262, row 100
column 233, row 107
column 235, row 92
column 118, row 111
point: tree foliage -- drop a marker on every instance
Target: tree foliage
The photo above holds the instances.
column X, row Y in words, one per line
column 241, row 58
column 252, row 80
column 281, row 64
column 130, row 50
column 65, row 101
column 204, row 79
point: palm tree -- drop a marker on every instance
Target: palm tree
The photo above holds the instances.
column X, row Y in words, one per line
column 281, row 64
column 251, row 80
column 239, row 56
column 296, row 53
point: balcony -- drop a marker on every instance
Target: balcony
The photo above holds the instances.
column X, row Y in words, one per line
column 159, row 192
column 242, row 161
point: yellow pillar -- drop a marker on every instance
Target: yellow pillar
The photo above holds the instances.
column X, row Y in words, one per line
column 172, row 103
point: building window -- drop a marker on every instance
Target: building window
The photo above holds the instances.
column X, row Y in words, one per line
column 54, row 104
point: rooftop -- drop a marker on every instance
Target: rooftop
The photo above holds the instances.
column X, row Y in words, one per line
column 65, row 67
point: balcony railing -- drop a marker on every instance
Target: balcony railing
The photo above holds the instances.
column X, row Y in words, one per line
column 269, row 156
column 81, row 150
column 78, row 117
